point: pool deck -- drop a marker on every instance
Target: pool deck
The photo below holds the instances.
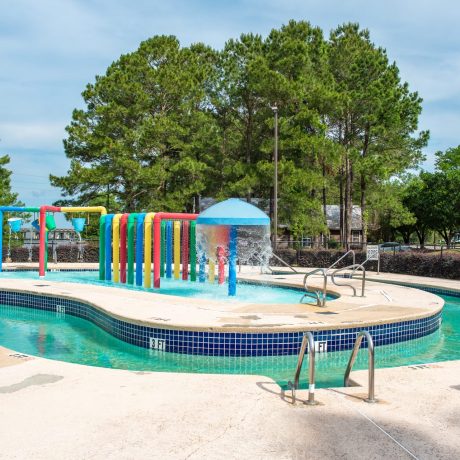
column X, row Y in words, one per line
column 383, row 303
column 54, row 410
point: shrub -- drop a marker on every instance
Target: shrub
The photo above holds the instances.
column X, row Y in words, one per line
column 407, row 263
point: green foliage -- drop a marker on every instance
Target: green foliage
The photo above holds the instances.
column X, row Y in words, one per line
column 167, row 124
column 449, row 161
column 7, row 197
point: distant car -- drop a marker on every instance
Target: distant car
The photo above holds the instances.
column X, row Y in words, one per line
column 393, row 246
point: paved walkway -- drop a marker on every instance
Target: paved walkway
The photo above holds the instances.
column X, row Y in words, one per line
column 53, row 410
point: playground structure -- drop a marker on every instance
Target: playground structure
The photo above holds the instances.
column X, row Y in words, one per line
column 16, row 227
column 47, row 218
column 128, row 248
column 175, row 242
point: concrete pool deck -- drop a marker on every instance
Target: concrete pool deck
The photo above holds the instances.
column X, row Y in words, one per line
column 381, row 304
column 54, row 410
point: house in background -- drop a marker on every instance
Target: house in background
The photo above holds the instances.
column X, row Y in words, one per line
column 333, row 223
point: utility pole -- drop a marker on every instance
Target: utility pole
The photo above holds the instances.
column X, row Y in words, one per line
column 275, row 185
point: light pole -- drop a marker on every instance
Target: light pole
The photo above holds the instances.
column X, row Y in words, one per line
column 275, row 180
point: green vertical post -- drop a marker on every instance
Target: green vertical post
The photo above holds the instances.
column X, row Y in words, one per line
column 163, row 245
column 131, row 220
column 192, row 250
column 102, row 247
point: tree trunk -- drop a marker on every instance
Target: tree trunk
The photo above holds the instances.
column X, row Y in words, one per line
column 363, row 209
column 323, row 236
column 196, row 203
column 348, row 200
column 364, row 186
column 421, row 237
column 342, row 213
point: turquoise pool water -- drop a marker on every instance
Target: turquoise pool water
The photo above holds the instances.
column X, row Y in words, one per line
column 211, row 291
column 66, row 338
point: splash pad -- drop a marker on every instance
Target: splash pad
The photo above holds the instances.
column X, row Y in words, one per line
column 228, row 232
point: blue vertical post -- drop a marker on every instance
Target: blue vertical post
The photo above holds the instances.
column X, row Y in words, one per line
column 108, row 246
column 232, row 256
column 169, row 249
column 162, row 248
column 202, row 267
column 139, row 248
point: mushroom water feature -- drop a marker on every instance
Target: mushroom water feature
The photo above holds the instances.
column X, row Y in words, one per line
column 231, row 231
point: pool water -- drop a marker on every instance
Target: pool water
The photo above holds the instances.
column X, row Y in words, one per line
column 67, row 338
column 212, row 291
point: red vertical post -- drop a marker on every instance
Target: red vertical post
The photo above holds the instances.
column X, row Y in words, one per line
column 185, row 249
column 41, row 255
column 123, row 225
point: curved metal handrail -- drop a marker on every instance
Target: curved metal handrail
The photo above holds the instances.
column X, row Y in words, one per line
column 307, row 339
column 351, row 251
column 321, row 300
column 284, row 263
column 355, row 267
column 370, row 346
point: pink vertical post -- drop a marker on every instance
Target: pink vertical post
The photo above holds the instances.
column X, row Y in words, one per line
column 156, row 249
column 42, row 246
column 123, row 224
column 221, row 264
column 185, row 249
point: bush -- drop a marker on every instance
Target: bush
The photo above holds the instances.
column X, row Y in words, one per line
column 406, row 263
column 65, row 253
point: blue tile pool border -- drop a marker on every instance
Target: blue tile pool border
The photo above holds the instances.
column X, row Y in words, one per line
column 236, row 344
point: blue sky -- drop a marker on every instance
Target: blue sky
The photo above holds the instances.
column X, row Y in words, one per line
column 50, row 49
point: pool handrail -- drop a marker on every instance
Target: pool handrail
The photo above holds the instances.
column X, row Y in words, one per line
column 371, row 364
column 309, row 340
column 283, row 262
column 354, row 267
column 321, row 300
column 351, row 251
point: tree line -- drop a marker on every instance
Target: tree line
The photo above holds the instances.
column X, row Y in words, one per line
column 168, row 124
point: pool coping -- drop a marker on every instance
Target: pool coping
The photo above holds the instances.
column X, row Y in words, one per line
column 231, row 340
column 318, row 323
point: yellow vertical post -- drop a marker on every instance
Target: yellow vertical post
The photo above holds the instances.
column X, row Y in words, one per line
column 148, row 249
column 116, row 247
column 211, row 271
column 176, row 249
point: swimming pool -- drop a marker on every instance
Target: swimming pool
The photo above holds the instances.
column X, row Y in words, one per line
column 68, row 338
column 254, row 293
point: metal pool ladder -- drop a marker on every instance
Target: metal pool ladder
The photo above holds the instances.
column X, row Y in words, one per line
column 310, row 341
column 370, row 346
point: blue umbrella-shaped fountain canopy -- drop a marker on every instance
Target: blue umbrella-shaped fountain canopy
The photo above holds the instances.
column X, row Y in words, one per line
column 233, row 212
column 221, row 226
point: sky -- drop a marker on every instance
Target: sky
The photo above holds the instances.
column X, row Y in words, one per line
column 50, row 49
